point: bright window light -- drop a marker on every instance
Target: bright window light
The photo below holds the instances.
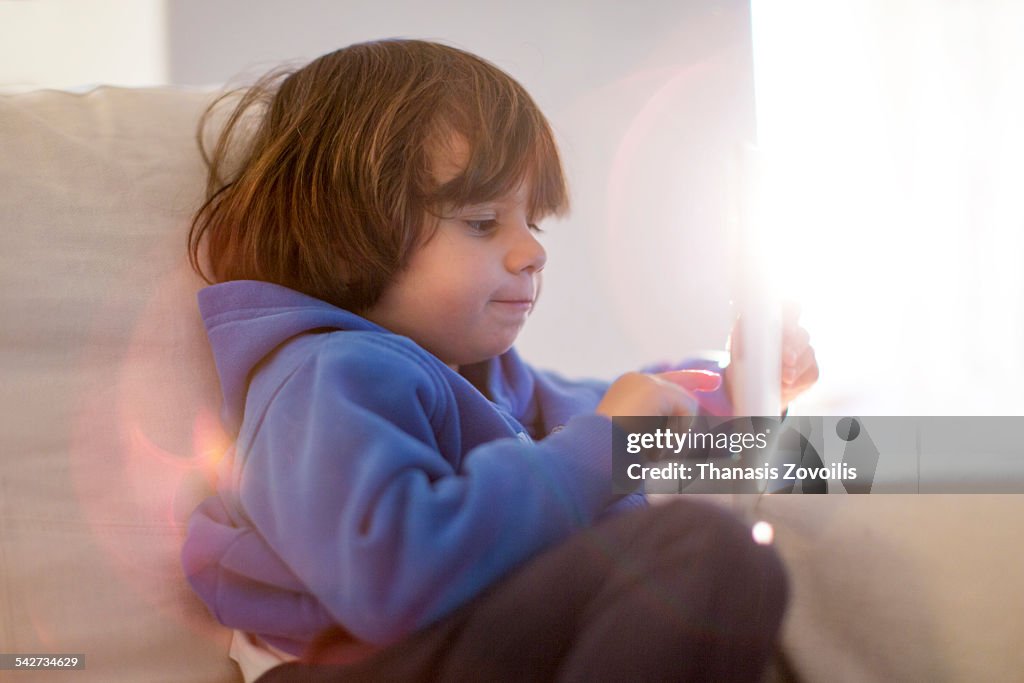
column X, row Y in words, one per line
column 891, row 141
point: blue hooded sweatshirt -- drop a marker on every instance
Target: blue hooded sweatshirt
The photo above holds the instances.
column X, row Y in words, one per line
column 370, row 485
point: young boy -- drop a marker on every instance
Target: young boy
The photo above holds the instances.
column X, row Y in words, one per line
column 404, row 490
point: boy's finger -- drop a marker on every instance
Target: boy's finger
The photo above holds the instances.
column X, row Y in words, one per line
column 806, row 367
column 795, row 342
column 693, row 380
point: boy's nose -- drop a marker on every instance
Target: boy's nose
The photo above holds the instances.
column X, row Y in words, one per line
column 527, row 253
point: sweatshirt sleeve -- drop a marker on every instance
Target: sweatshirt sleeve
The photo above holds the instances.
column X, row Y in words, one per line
column 344, row 480
column 561, row 397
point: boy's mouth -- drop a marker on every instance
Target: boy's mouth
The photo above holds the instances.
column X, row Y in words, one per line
column 514, row 304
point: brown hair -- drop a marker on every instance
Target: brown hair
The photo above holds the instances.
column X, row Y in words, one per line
column 333, row 187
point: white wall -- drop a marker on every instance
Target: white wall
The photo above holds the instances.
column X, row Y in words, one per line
column 75, row 43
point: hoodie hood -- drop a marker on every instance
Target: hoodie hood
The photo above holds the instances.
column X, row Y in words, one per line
column 247, row 319
column 356, row 502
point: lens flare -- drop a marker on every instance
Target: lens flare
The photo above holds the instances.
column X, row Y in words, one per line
column 763, row 533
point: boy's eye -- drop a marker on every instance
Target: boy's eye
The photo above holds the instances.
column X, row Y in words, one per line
column 485, row 226
column 482, row 226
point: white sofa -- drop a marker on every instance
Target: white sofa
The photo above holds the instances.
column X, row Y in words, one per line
column 109, row 393
column 110, row 434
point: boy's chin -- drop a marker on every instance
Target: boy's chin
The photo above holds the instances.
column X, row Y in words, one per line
column 483, row 353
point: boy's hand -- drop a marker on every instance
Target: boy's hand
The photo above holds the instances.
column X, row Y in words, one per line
column 663, row 393
column 799, row 365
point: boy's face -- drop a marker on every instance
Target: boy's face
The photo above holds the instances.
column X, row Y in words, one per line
column 467, row 292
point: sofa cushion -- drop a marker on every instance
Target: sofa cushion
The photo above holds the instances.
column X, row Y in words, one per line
column 109, row 395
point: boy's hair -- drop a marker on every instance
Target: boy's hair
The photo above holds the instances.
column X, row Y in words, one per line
column 333, row 187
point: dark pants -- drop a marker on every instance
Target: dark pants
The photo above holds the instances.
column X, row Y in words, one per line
column 677, row 592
